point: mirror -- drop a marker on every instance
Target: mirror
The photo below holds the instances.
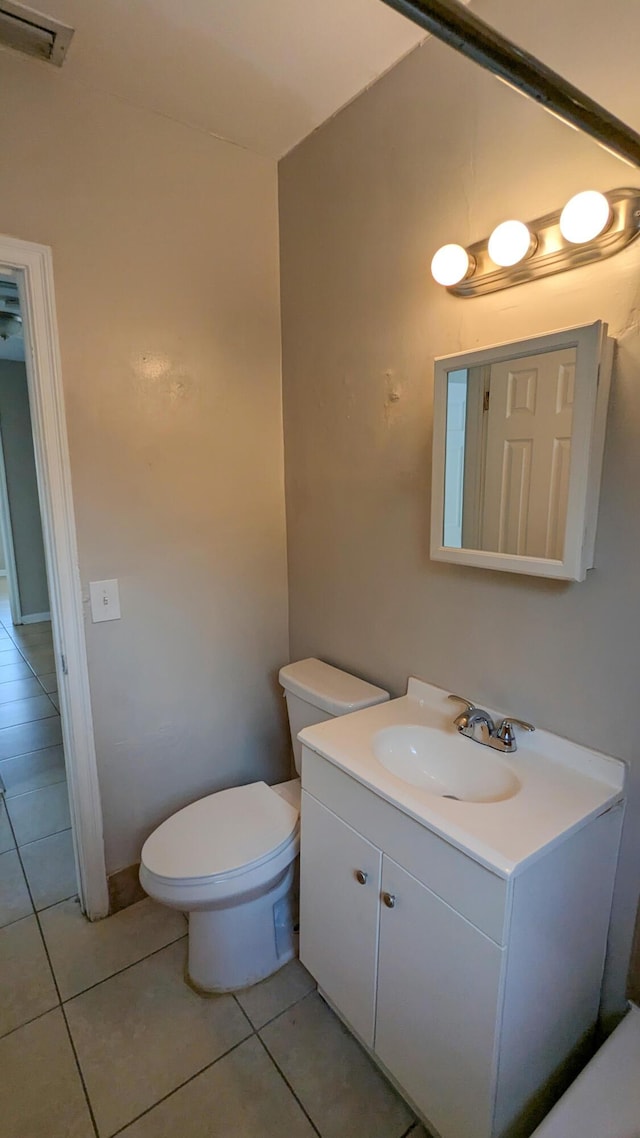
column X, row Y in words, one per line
column 518, row 442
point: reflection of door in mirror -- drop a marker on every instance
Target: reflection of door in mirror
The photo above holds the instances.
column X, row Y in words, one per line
column 528, row 455
column 508, row 450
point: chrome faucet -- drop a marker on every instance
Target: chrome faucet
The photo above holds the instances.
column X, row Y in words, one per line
column 478, row 725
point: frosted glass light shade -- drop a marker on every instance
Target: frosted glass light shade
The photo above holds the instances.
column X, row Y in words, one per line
column 585, row 216
column 450, row 265
column 510, row 243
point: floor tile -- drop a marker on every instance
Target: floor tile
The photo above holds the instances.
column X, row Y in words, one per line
column 6, row 836
column 19, row 671
column 49, row 681
column 332, row 1076
column 241, row 1096
column 40, row 1088
column 19, row 689
column 143, row 1032
column 50, row 869
column 15, row 902
column 27, row 989
column 42, row 660
column 28, row 772
column 9, row 654
column 27, row 737
column 53, row 696
column 40, row 813
column 26, row 710
column 83, row 953
column 266, row 1000
column 36, row 634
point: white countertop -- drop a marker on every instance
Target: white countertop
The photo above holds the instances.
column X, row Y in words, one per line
column 563, row 785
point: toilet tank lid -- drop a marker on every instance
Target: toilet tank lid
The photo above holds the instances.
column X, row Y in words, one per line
column 329, row 688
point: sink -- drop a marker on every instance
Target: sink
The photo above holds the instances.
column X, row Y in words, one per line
column 444, row 764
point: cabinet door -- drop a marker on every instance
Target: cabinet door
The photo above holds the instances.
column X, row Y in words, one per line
column 438, row 991
column 338, row 914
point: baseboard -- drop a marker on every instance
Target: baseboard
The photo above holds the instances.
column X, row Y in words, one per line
column 35, row 617
column 124, row 888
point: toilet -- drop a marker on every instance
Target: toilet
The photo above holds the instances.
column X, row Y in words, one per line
column 229, row 860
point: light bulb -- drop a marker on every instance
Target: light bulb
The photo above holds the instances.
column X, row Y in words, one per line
column 585, row 216
column 510, row 243
column 451, row 264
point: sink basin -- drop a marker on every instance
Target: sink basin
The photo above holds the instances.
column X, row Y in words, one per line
column 445, row 765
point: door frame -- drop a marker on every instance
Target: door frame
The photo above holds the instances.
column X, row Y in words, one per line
column 32, row 265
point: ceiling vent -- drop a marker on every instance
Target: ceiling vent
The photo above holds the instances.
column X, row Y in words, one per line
column 33, row 33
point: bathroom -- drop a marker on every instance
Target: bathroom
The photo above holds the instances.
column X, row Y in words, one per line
column 238, row 545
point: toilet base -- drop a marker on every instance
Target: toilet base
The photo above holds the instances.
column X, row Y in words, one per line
column 234, row 947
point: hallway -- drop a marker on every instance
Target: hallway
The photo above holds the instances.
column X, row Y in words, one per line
column 36, row 852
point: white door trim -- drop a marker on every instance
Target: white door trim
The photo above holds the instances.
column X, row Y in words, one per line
column 34, row 268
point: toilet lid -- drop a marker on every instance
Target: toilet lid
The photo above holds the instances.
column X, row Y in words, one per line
column 231, row 829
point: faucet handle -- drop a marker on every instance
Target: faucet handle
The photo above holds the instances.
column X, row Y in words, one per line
column 462, row 699
column 505, row 730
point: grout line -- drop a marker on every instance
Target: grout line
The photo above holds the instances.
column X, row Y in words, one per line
column 79, row 1069
column 9, row 792
column 288, row 1008
column 288, row 1084
column 55, row 983
column 21, row 754
column 35, row 790
column 27, row 722
column 60, row 900
column 181, row 1085
column 42, row 838
column 245, row 1014
column 40, row 1015
column 119, row 971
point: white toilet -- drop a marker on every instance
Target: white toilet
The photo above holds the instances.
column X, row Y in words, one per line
column 228, row 860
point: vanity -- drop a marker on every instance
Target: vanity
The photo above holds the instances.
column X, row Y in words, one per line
column 455, row 904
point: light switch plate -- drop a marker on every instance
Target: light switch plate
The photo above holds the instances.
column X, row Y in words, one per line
column 105, row 600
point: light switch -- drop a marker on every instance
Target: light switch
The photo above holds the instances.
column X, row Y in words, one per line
column 105, row 600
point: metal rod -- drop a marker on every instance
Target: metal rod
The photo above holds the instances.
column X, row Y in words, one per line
column 456, row 26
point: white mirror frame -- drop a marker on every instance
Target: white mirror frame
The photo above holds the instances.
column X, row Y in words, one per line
column 594, row 360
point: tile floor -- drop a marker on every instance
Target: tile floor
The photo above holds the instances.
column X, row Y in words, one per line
column 36, row 852
column 100, row 1035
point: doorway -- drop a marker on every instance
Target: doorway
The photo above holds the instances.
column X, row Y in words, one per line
column 53, row 641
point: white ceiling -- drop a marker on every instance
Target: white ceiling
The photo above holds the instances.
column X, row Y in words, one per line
column 260, row 73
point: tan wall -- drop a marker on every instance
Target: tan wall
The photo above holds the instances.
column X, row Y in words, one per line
column 165, row 248
column 437, row 151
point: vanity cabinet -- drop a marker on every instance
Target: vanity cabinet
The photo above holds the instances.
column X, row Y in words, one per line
column 472, row 991
column 341, row 914
column 437, row 993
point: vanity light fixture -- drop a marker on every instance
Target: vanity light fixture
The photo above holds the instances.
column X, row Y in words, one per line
column 585, row 217
column 591, row 227
column 451, row 264
column 510, row 243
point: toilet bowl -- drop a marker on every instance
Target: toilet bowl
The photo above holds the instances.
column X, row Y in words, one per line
column 229, row 859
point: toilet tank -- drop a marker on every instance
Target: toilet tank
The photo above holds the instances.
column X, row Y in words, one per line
column 316, row 691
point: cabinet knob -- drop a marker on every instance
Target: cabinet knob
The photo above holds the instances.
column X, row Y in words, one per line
column 361, row 876
column 389, row 900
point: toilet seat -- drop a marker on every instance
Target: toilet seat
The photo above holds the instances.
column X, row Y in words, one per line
column 222, row 836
